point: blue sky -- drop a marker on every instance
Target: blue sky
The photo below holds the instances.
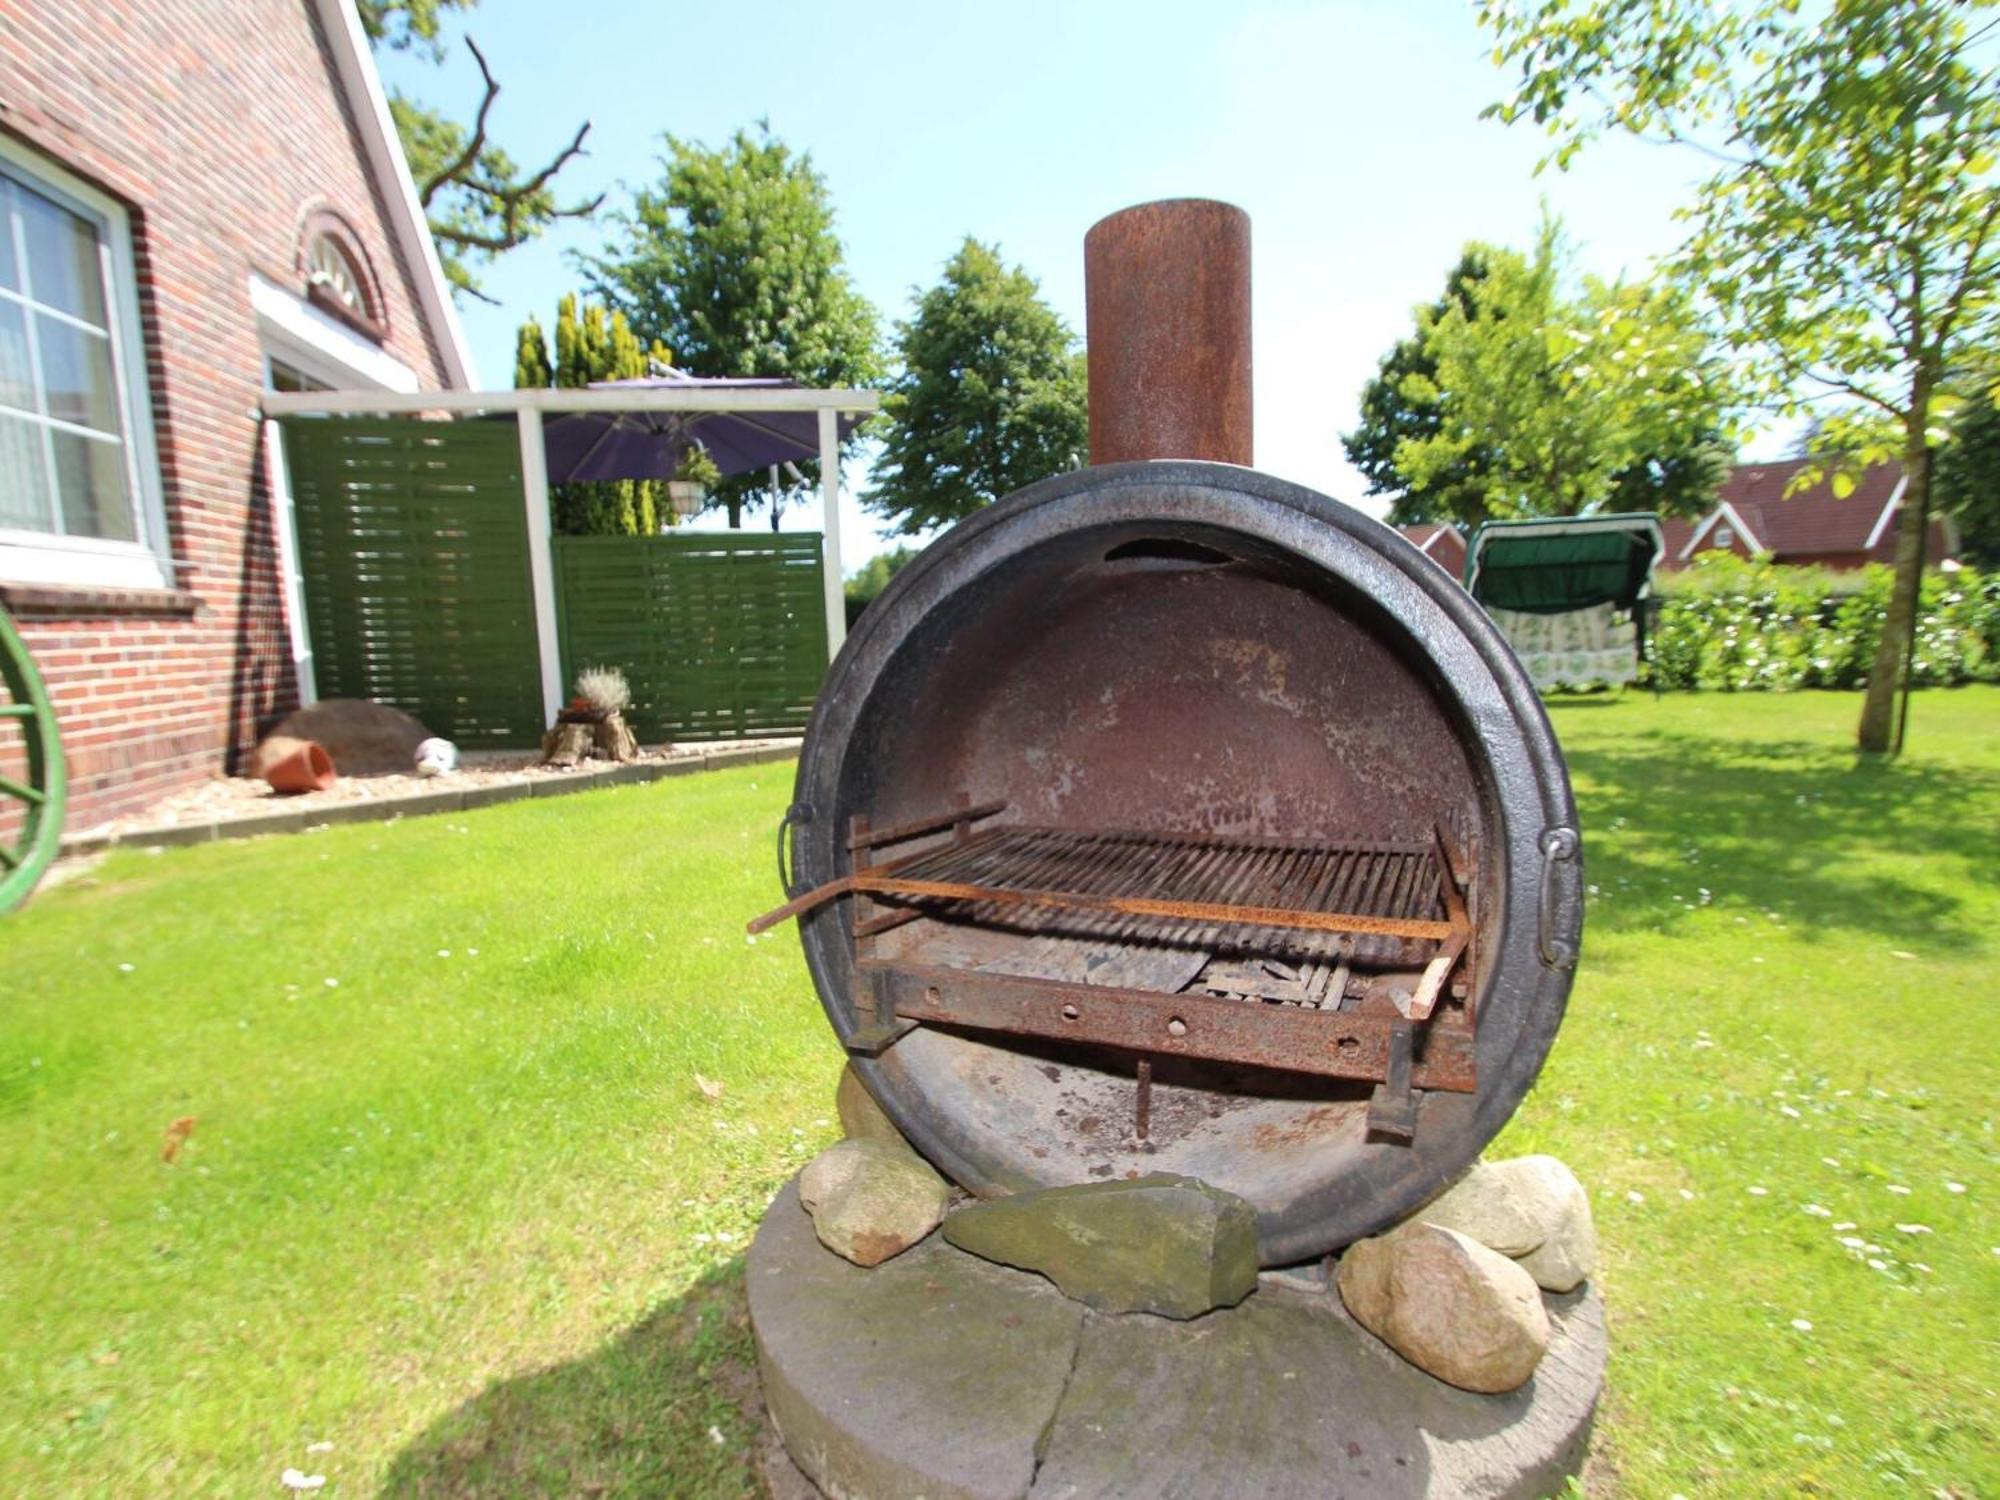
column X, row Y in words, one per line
column 1350, row 132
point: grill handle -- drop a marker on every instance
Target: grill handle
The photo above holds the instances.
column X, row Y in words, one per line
column 798, row 812
column 1560, row 873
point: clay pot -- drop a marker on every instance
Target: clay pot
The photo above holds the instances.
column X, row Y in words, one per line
column 295, row 765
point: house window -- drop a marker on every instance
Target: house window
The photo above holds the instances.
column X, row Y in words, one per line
column 66, row 415
column 329, row 269
column 337, row 279
column 284, row 377
column 79, row 484
column 1725, row 536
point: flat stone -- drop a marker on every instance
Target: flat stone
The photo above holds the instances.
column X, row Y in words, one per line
column 1449, row 1305
column 1287, row 1396
column 423, row 804
column 942, row 1375
column 165, row 837
column 861, row 1118
column 496, row 792
column 277, row 822
column 933, row 1375
column 373, row 810
column 768, row 755
column 1160, row 1244
column 870, row 1201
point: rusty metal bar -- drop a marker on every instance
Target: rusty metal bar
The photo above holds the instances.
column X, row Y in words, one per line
column 1326, row 1043
column 896, row 833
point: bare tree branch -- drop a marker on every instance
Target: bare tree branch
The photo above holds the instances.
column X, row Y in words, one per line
column 456, row 169
column 508, row 201
column 574, row 148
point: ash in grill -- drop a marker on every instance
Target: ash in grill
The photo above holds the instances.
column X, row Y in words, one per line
column 1168, row 816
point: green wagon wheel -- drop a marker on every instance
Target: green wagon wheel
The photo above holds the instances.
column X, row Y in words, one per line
column 29, row 839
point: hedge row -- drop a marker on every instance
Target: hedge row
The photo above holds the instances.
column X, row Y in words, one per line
column 1734, row 626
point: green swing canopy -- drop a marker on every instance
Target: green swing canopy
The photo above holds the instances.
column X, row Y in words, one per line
column 1564, row 563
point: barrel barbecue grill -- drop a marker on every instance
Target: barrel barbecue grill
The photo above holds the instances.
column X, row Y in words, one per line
column 1167, row 816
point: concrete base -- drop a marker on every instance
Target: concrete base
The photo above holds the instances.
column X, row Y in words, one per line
column 941, row 1375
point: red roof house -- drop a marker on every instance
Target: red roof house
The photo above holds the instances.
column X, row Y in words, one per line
column 1443, row 543
column 1754, row 515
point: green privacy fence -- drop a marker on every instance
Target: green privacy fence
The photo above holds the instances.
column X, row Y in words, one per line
column 721, row 635
column 413, row 549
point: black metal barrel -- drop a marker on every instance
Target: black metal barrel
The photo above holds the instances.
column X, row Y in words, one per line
column 1195, row 648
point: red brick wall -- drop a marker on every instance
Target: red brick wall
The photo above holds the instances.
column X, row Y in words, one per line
column 221, row 127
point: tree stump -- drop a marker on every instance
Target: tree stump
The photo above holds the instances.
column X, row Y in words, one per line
column 614, row 740
column 569, row 742
column 581, row 732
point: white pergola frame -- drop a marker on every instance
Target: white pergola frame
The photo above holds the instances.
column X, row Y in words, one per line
column 530, row 405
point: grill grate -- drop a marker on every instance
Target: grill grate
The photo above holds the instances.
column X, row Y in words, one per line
column 1367, row 900
column 1392, row 905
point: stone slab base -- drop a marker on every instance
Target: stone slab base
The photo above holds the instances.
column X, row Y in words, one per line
column 941, row 1375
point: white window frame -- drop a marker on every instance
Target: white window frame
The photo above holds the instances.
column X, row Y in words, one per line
column 293, row 332
column 42, row 557
column 318, row 344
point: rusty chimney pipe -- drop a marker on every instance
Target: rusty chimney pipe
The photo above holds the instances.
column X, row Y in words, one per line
column 1167, row 315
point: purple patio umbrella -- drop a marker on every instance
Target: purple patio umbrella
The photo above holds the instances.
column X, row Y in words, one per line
column 649, row 444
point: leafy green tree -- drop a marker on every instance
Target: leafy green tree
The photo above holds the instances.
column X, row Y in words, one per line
column 1968, row 478
column 1537, row 402
column 732, row 261
column 1390, row 414
column 1846, row 236
column 477, row 201
column 868, row 580
column 991, row 395
column 591, row 345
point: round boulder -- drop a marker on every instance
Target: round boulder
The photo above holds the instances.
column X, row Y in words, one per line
column 1447, row 1304
column 870, row 1202
column 1529, row 1207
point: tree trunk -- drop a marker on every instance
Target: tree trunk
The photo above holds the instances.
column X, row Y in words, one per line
column 1878, row 709
column 735, row 513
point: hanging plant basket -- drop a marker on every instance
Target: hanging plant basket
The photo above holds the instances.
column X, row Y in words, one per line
column 684, row 497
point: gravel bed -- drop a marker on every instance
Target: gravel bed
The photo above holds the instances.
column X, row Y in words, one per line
column 225, row 798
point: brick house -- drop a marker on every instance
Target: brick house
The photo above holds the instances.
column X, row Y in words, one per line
column 1753, row 515
column 200, row 200
column 1442, row 542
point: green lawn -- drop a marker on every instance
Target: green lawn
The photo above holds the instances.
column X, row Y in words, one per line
column 471, row 1219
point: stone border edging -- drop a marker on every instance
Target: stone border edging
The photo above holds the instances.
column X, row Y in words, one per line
column 420, row 804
